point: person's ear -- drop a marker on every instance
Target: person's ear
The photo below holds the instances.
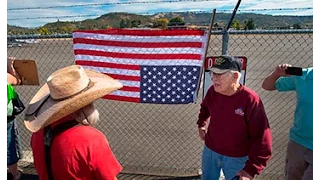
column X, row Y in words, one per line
column 235, row 75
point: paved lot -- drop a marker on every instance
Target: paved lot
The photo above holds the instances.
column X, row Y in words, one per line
column 30, row 174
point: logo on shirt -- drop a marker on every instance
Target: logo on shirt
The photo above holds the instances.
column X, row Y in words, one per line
column 239, row 112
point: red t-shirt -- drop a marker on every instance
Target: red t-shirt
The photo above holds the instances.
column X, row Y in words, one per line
column 81, row 152
column 238, row 127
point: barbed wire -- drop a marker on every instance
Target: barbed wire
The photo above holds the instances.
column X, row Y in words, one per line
column 150, row 13
column 277, row 9
column 107, row 4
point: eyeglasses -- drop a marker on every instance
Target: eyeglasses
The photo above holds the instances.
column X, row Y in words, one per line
column 218, row 76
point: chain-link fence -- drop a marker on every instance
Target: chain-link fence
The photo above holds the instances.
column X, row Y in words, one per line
column 162, row 140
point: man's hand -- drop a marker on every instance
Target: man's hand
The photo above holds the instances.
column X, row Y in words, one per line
column 270, row 81
column 244, row 175
column 281, row 70
column 202, row 133
column 10, row 67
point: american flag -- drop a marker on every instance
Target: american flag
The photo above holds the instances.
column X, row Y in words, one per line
column 154, row 66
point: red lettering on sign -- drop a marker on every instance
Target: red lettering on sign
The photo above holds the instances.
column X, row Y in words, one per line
column 209, row 62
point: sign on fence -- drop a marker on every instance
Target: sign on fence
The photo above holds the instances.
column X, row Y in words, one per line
column 209, row 61
column 27, row 69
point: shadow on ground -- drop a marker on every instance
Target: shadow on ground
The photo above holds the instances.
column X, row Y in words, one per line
column 30, row 174
column 120, row 177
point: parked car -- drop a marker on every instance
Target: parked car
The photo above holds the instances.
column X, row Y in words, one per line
column 13, row 45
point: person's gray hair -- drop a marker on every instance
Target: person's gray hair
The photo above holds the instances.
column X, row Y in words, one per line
column 87, row 115
column 239, row 75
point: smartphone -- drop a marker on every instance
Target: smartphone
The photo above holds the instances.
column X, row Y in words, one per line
column 297, row 71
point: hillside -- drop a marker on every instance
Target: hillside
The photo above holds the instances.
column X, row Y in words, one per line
column 261, row 21
column 121, row 20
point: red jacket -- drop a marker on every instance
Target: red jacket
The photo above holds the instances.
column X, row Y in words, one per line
column 238, row 127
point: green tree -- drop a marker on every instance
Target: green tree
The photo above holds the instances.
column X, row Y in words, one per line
column 64, row 29
column 296, row 26
column 176, row 21
column 44, row 31
column 135, row 23
column 236, row 25
column 128, row 23
column 249, row 24
column 71, row 29
column 162, row 23
column 122, row 23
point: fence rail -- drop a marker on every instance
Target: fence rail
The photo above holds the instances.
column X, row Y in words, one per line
column 163, row 140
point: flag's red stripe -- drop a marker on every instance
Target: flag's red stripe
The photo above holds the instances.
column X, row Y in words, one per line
column 131, row 89
column 124, row 77
column 145, row 32
column 122, row 98
column 138, row 56
column 107, row 65
column 137, row 44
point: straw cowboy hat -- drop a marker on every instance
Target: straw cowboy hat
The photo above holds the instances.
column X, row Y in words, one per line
column 66, row 91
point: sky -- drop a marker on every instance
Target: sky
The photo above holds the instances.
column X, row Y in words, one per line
column 18, row 17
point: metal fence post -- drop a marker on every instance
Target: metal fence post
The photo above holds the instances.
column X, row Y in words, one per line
column 225, row 41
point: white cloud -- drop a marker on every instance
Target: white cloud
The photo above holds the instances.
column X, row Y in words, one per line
column 138, row 8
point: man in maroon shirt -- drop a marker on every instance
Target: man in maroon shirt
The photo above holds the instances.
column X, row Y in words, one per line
column 238, row 138
column 61, row 115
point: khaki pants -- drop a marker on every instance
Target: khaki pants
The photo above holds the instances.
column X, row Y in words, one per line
column 299, row 162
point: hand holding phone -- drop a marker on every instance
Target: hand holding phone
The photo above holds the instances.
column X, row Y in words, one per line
column 297, row 71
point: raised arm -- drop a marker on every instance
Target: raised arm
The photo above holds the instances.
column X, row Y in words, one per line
column 270, row 81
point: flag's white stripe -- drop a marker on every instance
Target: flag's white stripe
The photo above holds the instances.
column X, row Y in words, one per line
column 126, row 93
column 128, row 38
column 116, row 49
column 115, row 71
column 107, row 70
column 143, row 62
column 130, row 83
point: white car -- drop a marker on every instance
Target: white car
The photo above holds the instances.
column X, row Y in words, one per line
column 14, row 45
